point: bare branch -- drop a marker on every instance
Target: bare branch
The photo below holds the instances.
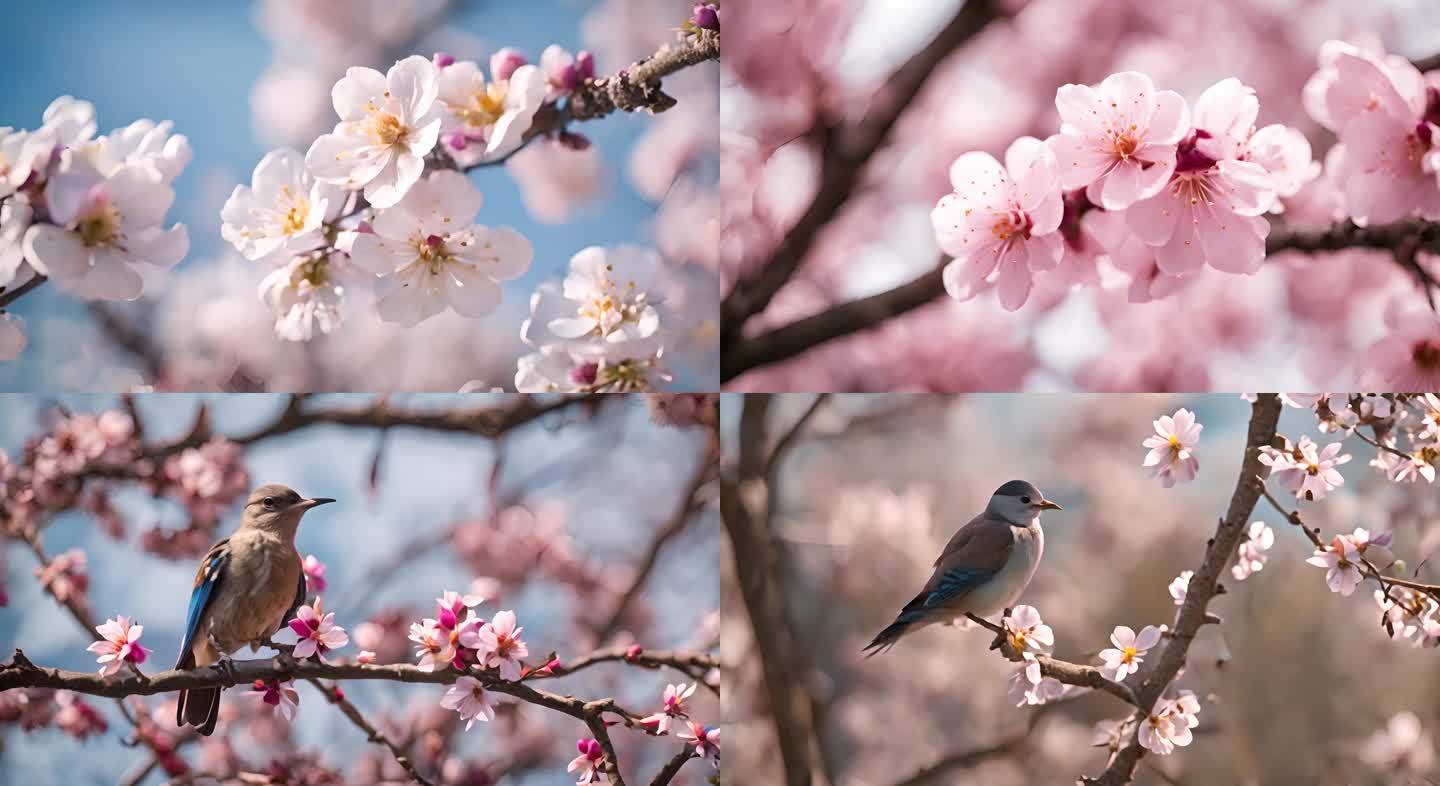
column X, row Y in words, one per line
column 336, row 697
column 1076, row 674
column 846, row 152
column 672, row 767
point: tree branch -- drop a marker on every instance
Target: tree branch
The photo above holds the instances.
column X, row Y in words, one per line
column 10, row 296
column 845, row 153
column 373, row 734
column 1076, row 674
column 1264, row 416
column 672, row 767
column 782, row 343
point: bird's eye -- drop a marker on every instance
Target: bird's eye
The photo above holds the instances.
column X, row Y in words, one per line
column 270, row 502
column 1025, row 500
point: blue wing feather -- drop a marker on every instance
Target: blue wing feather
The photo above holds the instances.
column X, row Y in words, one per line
column 953, row 583
column 211, row 570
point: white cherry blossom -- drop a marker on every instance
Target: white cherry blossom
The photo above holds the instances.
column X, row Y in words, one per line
column 486, row 120
column 283, row 209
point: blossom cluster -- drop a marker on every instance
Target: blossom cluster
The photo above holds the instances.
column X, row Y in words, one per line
column 86, row 210
column 381, row 205
column 1142, row 184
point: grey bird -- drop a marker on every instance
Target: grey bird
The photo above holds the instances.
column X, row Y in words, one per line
column 983, row 569
column 248, row 586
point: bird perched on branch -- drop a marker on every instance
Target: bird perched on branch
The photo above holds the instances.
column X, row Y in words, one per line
column 248, row 585
column 984, row 567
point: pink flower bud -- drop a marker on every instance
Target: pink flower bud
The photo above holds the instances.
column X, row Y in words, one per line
column 442, row 59
column 504, row 62
column 634, row 652
column 585, row 65
column 706, row 16
column 455, row 140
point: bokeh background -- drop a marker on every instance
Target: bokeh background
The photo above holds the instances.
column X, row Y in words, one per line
column 802, row 78
column 1294, row 684
column 240, row 78
column 583, row 491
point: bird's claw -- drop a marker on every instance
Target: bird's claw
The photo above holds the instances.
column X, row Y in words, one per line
column 226, row 667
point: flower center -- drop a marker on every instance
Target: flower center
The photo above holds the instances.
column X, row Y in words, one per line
column 431, row 252
column 1015, row 223
column 1188, row 157
column 100, row 225
column 1129, row 654
column 294, row 220
column 585, row 373
column 385, row 128
column 624, row 377
column 1124, row 144
column 1426, row 355
column 485, row 107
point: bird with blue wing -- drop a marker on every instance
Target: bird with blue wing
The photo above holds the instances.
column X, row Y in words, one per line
column 248, row 586
column 983, row 569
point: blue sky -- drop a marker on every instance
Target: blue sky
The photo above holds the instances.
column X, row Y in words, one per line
column 194, row 63
column 427, row 481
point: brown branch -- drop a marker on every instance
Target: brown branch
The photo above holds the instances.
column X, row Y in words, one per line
column 691, row 501
column 372, row 733
column 691, row 664
column 1427, row 63
column 787, row 341
column 1076, row 674
column 846, row 151
column 792, row 434
column 745, row 511
column 740, row 355
column 672, row 767
column 1204, row 585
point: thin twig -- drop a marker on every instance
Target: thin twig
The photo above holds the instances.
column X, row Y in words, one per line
column 372, row 733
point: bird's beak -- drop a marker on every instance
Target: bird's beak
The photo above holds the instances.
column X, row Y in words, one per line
column 1046, row 504
column 307, row 504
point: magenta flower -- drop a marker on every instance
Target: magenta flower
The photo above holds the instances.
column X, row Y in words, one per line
column 674, row 707
column 1210, row 211
column 453, row 608
column 469, row 698
column 499, row 645
column 1000, row 222
column 279, row 695
column 121, row 645
column 590, row 763
column 313, row 632
column 314, row 575
column 1118, row 141
column 706, row 742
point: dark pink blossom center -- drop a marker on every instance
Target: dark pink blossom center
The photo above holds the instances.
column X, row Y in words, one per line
column 1426, row 355
column 585, row 373
column 1188, row 157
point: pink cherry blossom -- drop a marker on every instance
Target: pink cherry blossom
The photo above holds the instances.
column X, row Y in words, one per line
column 278, row 694
column 432, row 644
column 1341, row 562
column 314, row 574
column 77, row 717
column 1171, row 457
column 1407, row 357
column 313, row 632
column 1251, row 554
column 469, row 698
column 453, row 608
column 1210, row 211
column 1129, row 651
column 706, row 741
column 120, row 645
column 674, row 707
column 1000, row 221
column 499, row 646
column 1026, row 632
column 590, row 763
column 1118, row 141
column 1169, row 723
column 1306, row 469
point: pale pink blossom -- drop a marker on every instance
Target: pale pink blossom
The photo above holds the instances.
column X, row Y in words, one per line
column 1306, row 469
column 1341, row 562
column 280, row 695
column 500, row 647
column 432, row 644
column 120, row 645
column 1407, row 357
column 1251, row 555
column 1169, row 724
column 674, row 707
column 590, row 763
column 1026, row 632
column 469, row 698
column 313, row 632
column 1180, row 587
column 1129, row 650
column 1118, row 141
column 999, row 222
column 565, row 71
column 1402, row 746
column 1171, row 458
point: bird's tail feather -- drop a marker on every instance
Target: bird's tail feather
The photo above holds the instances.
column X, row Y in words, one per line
column 199, row 707
column 887, row 638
